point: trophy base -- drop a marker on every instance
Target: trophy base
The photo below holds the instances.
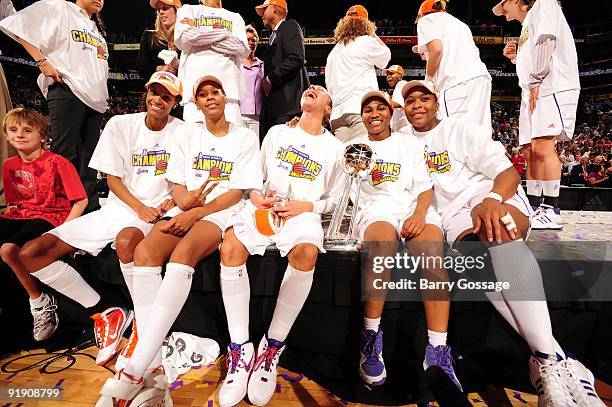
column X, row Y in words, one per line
column 341, row 245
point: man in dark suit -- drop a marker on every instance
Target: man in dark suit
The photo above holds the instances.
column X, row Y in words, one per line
column 284, row 71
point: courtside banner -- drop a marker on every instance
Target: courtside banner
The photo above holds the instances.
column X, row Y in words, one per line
column 470, row 271
column 487, row 40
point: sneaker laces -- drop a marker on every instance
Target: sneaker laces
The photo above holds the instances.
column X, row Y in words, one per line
column 369, row 348
column 43, row 315
column 554, row 386
column 444, row 361
column 233, row 360
column 267, row 358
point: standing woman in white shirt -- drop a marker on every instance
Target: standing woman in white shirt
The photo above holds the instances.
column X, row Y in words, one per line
column 350, row 71
column 453, row 64
column 547, row 67
column 66, row 41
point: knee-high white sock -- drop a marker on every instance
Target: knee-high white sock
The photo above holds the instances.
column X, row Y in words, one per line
column 127, row 271
column 236, row 293
column 66, row 280
column 291, row 298
column 514, row 263
column 551, row 188
column 146, row 282
column 168, row 303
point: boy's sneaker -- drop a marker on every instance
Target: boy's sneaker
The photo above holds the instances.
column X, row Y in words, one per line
column 109, row 327
column 239, row 361
column 580, row 382
column 263, row 379
column 45, row 318
column 547, row 218
column 371, row 363
column 440, row 356
column 545, row 375
column 128, row 349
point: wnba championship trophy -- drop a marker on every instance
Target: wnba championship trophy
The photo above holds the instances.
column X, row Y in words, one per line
column 267, row 221
column 357, row 162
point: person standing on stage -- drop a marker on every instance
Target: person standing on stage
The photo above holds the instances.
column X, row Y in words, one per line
column 213, row 42
column 547, row 67
column 453, row 64
column 350, row 70
column 284, row 71
column 253, row 72
column 67, row 42
column 161, row 38
column 395, row 75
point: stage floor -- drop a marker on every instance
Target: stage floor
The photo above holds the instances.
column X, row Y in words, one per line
column 579, row 226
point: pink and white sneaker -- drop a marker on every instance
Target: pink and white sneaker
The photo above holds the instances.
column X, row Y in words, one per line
column 263, row 379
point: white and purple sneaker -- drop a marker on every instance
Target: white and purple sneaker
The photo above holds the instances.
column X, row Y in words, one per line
column 239, row 360
column 262, row 383
column 440, row 356
column 580, row 381
column 371, row 364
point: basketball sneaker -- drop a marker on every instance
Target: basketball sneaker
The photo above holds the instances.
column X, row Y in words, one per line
column 440, row 356
column 45, row 318
column 120, row 390
column 262, row 383
column 546, row 378
column 128, row 349
column 371, row 363
column 239, row 362
column 109, row 327
column 547, row 218
column 580, row 382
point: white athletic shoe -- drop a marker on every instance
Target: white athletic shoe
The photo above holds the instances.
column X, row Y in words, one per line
column 546, row 219
column 239, row 361
column 550, row 387
column 109, row 327
column 263, row 379
column 580, row 382
column 119, row 391
column 45, row 318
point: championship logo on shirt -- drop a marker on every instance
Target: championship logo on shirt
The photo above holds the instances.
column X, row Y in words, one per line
column 23, row 181
column 88, row 38
column 218, row 170
column 214, row 22
column 301, row 164
column 157, row 159
column 384, row 172
column 523, row 38
column 438, row 162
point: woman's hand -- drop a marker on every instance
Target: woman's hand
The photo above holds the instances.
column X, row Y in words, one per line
column 413, row 226
column 197, row 198
column 489, row 214
column 181, row 223
column 260, row 201
column 49, row 70
column 510, row 50
column 293, row 208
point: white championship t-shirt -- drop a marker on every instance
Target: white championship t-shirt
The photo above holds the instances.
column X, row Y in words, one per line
column 462, row 159
column 546, row 18
column 128, row 149
column 70, row 40
column 197, row 61
column 399, row 119
column 460, row 56
column 309, row 164
column 232, row 160
column 350, row 72
column 398, row 177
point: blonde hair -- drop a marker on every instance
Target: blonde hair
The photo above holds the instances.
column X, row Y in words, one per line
column 250, row 29
column 349, row 28
column 163, row 37
column 27, row 116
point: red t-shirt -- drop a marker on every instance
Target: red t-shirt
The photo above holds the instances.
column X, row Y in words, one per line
column 519, row 164
column 44, row 188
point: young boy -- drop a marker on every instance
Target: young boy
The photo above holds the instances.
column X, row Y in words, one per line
column 43, row 190
column 133, row 152
column 306, row 158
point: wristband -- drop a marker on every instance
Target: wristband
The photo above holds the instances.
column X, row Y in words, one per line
column 41, row 61
column 496, row 196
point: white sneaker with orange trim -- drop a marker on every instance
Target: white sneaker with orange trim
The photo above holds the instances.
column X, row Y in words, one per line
column 109, row 327
column 128, row 349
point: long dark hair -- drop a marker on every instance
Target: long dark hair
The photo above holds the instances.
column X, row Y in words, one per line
column 97, row 18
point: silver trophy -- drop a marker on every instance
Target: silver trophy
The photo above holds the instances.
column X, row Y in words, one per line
column 267, row 221
column 357, row 162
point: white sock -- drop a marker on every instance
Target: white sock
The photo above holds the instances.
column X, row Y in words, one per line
column 436, row 338
column 128, row 276
column 66, row 280
column 551, row 188
column 145, row 285
column 168, row 303
column 291, row 298
column 534, row 187
column 525, row 298
column 371, row 323
column 39, row 302
column 236, row 293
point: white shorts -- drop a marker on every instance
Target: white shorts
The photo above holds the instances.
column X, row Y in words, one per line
column 469, row 100
column 92, row 232
column 191, row 113
column 220, row 218
column 554, row 115
column 462, row 220
column 396, row 220
column 304, row 228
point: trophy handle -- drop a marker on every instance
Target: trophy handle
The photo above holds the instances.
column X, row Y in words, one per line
column 338, row 215
column 354, row 211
